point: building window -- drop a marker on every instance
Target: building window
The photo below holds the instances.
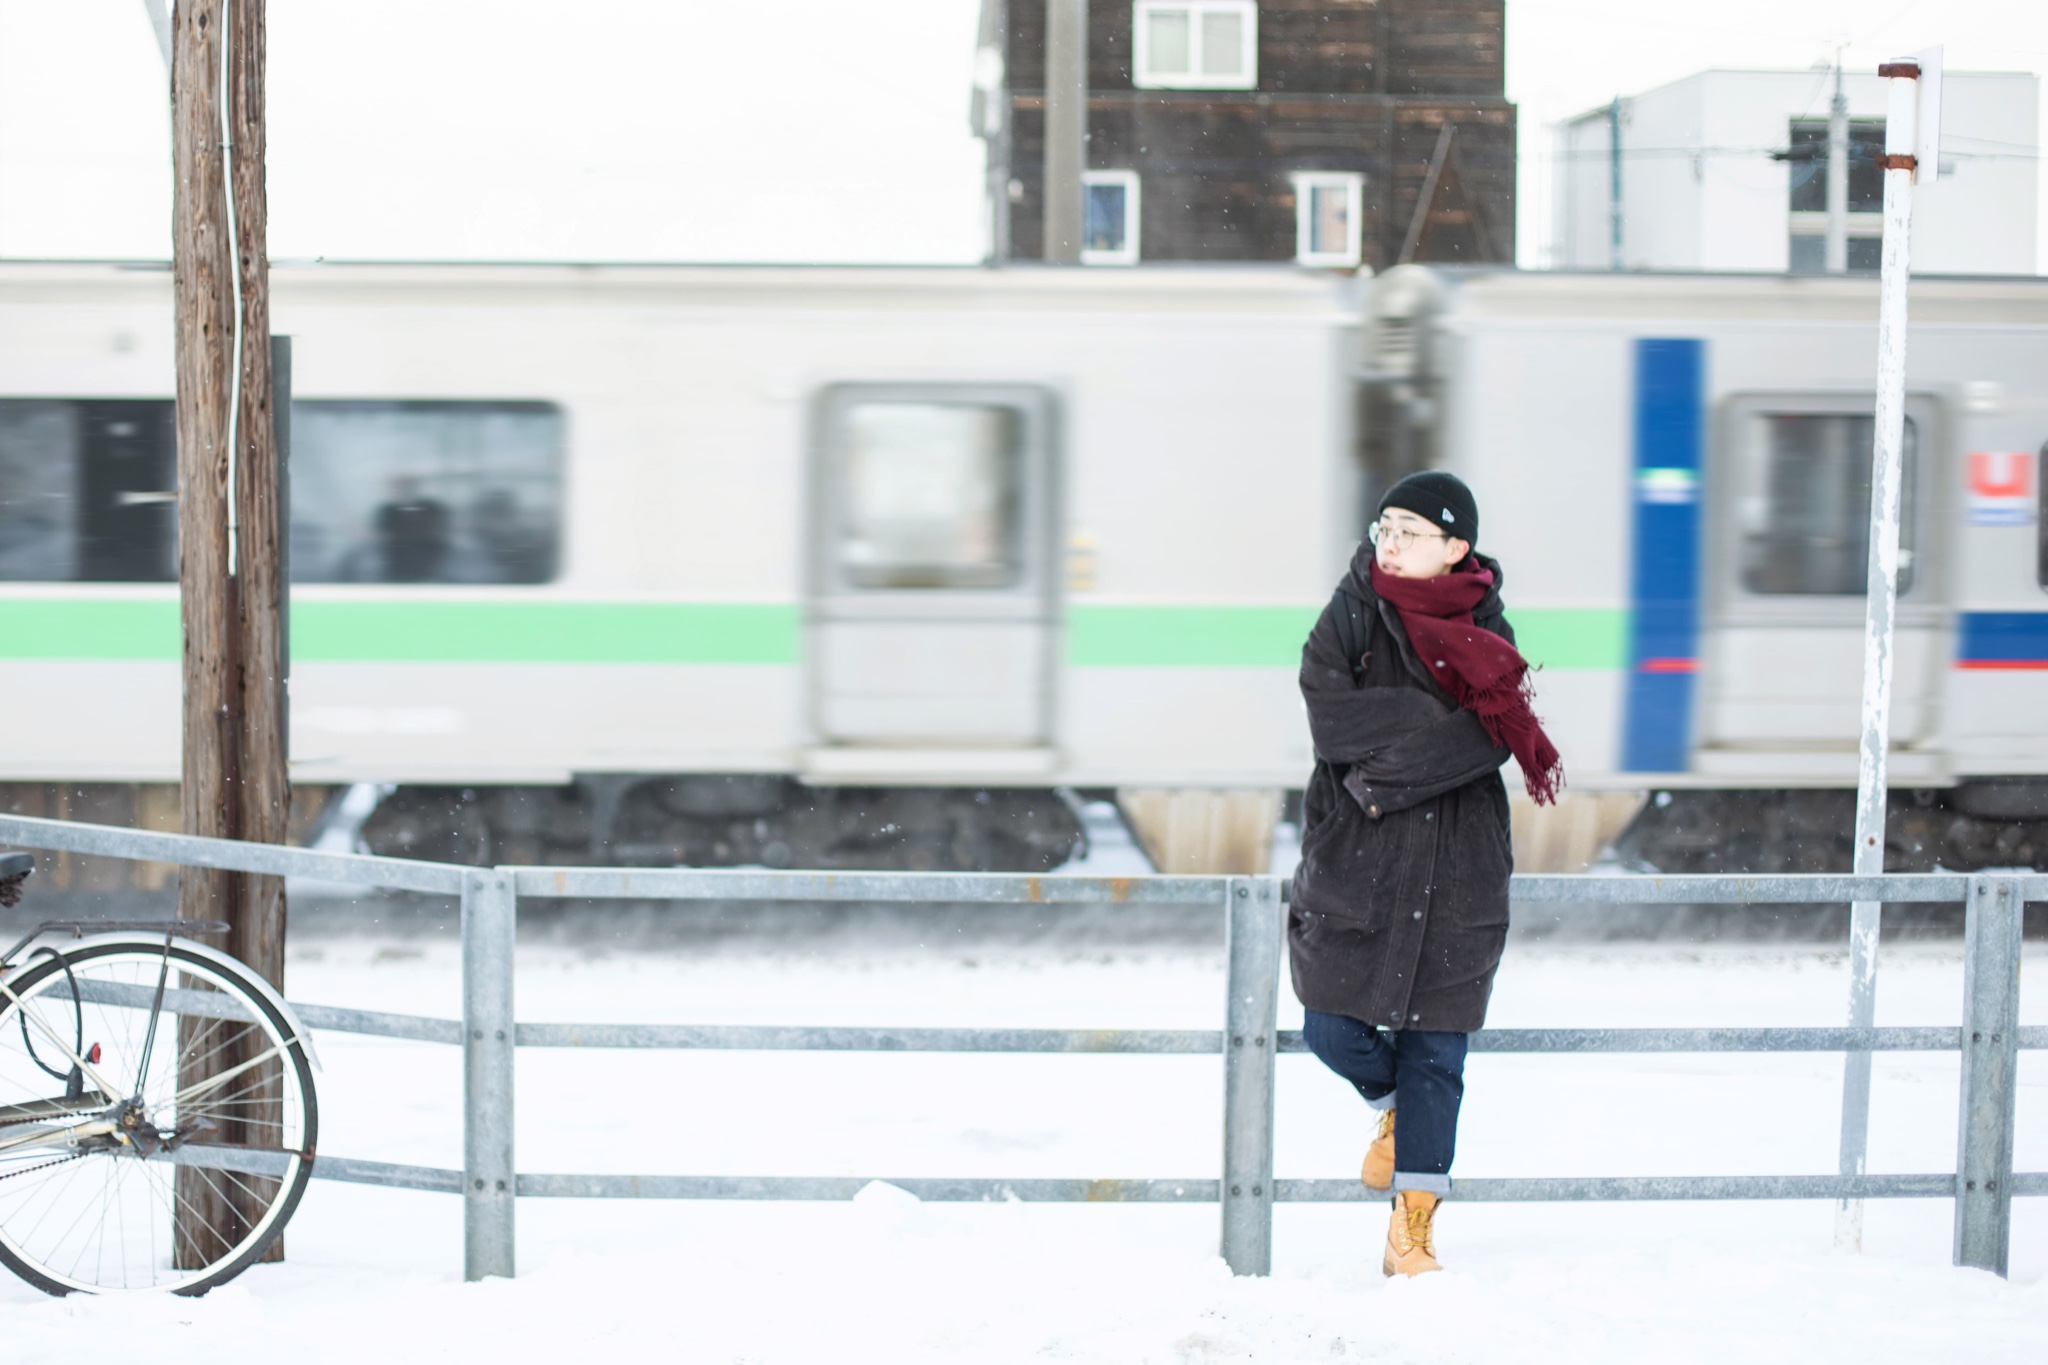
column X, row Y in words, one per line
column 1807, row 157
column 426, row 492
column 1327, row 208
column 1196, row 44
column 1109, row 218
column 1805, row 504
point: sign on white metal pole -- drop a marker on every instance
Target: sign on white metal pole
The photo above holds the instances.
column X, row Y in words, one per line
column 1912, row 154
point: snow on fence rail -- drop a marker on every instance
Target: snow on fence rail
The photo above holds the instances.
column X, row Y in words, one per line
column 1983, row 1184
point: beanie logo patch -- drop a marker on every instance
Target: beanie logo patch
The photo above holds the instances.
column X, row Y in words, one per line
column 1448, row 517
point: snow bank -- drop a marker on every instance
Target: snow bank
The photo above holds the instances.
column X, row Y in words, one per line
column 374, row 1274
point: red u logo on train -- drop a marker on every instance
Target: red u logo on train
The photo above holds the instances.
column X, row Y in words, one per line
column 2000, row 473
column 2001, row 488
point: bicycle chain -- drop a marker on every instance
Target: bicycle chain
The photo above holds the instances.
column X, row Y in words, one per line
column 45, row 1118
column 45, row 1165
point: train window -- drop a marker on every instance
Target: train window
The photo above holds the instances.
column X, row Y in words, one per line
column 426, row 492
column 1805, row 509
column 86, row 490
column 931, row 495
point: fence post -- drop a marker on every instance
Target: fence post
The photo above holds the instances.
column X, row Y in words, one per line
column 1991, row 1017
column 1252, row 920
column 489, row 915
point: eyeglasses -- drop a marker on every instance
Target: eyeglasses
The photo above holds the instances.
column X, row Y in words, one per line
column 1400, row 537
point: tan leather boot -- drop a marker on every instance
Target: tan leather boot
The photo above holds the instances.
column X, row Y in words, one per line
column 1378, row 1171
column 1411, row 1236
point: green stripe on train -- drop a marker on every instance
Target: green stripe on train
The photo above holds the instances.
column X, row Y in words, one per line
column 722, row 633
column 430, row 632
column 89, row 628
column 1186, row 637
column 1572, row 637
column 545, row 632
column 1271, row 637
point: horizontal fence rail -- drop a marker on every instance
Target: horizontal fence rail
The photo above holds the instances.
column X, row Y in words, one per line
column 1250, row 909
column 1193, row 1042
column 270, row 860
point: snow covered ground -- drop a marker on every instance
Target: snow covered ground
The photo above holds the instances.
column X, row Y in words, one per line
column 375, row 1274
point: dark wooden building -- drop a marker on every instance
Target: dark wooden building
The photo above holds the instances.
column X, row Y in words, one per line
column 1275, row 130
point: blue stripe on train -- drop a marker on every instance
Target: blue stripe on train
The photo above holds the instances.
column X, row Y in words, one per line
column 2002, row 639
column 1664, row 617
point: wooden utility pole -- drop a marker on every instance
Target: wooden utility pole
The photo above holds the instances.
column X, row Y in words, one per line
column 1066, row 128
column 231, row 587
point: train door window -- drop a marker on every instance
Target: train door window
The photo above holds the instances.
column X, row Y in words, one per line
column 1804, row 507
column 931, row 495
column 1327, row 217
column 1109, row 228
column 87, row 490
column 426, row 492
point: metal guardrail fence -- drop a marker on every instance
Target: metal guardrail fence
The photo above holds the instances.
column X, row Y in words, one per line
column 1983, row 1184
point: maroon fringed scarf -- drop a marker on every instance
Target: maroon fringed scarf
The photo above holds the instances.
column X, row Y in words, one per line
column 1482, row 672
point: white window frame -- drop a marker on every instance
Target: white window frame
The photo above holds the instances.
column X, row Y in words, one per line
column 1133, row 211
column 1353, row 185
column 1248, row 79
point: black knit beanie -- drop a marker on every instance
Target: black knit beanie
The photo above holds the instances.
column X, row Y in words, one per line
column 1441, row 499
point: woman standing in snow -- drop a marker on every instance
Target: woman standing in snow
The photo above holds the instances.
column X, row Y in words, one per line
column 1416, row 697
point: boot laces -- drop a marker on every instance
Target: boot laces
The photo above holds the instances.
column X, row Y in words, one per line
column 1386, row 1129
column 1420, row 1227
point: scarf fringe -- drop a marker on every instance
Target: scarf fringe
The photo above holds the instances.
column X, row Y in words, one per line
column 1504, row 711
column 1437, row 613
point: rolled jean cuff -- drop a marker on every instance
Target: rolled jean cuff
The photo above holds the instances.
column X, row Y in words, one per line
column 1383, row 1103
column 1438, row 1185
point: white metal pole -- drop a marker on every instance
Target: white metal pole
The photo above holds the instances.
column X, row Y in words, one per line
column 1901, row 138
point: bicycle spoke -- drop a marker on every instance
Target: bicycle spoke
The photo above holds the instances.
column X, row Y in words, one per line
column 185, row 1097
column 78, row 1215
column 43, row 1028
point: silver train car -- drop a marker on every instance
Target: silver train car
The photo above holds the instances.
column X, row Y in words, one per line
column 877, row 567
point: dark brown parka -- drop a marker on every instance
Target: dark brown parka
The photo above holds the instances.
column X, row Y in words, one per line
column 1399, row 909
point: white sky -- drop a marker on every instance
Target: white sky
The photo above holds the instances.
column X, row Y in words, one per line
column 718, row 130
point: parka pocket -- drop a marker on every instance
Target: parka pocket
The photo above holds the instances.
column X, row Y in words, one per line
column 1358, row 871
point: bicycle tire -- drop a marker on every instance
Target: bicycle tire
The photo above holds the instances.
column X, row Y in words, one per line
column 220, row 1015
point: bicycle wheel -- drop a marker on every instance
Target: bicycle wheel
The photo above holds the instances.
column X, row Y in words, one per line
column 132, row 1156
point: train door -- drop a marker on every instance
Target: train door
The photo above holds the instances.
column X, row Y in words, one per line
column 933, row 597
column 1789, row 563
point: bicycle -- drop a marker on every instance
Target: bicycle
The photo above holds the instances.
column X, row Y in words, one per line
column 157, row 1111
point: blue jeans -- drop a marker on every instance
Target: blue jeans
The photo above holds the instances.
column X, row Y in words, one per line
column 1425, row 1070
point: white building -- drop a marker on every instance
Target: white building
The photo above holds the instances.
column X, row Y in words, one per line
column 1726, row 170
